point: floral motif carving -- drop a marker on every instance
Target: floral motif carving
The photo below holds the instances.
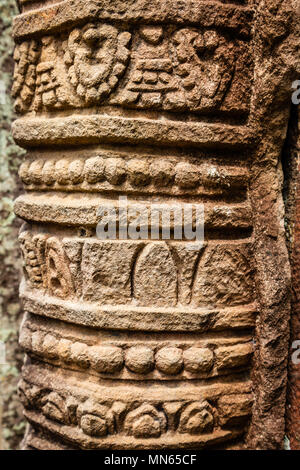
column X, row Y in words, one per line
column 97, row 56
column 145, row 421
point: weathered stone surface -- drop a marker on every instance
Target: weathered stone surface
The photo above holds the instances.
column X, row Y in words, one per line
column 236, row 410
column 291, row 196
column 165, row 102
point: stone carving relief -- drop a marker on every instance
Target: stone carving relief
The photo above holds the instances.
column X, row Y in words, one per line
column 45, row 264
column 187, row 69
column 108, row 172
column 231, row 268
column 184, row 70
column 142, row 420
column 146, row 342
column 204, row 71
column 33, row 251
column 145, row 421
column 146, row 273
column 77, row 69
column 138, row 361
column 58, row 274
column 26, row 57
column 49, row 91
column 97, row 56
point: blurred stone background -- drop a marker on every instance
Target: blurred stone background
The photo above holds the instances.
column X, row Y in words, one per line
column 13, row 425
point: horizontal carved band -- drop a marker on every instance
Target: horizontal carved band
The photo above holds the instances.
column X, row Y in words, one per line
column 71, row 12
column 137, row 360
column 78, row 130
column 123, row 272
column 75, row 436
column 95, row 416
column 36, row 440
column 66, row 210
column 140, row 318
column 179, row 71
column 108, row 172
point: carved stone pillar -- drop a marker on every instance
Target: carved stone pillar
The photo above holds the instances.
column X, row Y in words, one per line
column 148, row 343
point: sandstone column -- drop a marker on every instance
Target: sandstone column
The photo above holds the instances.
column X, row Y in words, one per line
column 146, row 343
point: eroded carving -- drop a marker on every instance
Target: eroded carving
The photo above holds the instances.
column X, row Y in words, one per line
column 96, row 56
column 45, row 264
column 137, row 361
column 142, row 273
column 148, row 419
column 187, row 69
column 140, row 342
column 108, row 172
column 26, row 56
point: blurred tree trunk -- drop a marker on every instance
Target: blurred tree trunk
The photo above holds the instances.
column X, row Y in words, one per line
column 10, row 312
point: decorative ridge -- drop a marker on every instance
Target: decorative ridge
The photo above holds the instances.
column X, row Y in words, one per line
column 72, row 12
